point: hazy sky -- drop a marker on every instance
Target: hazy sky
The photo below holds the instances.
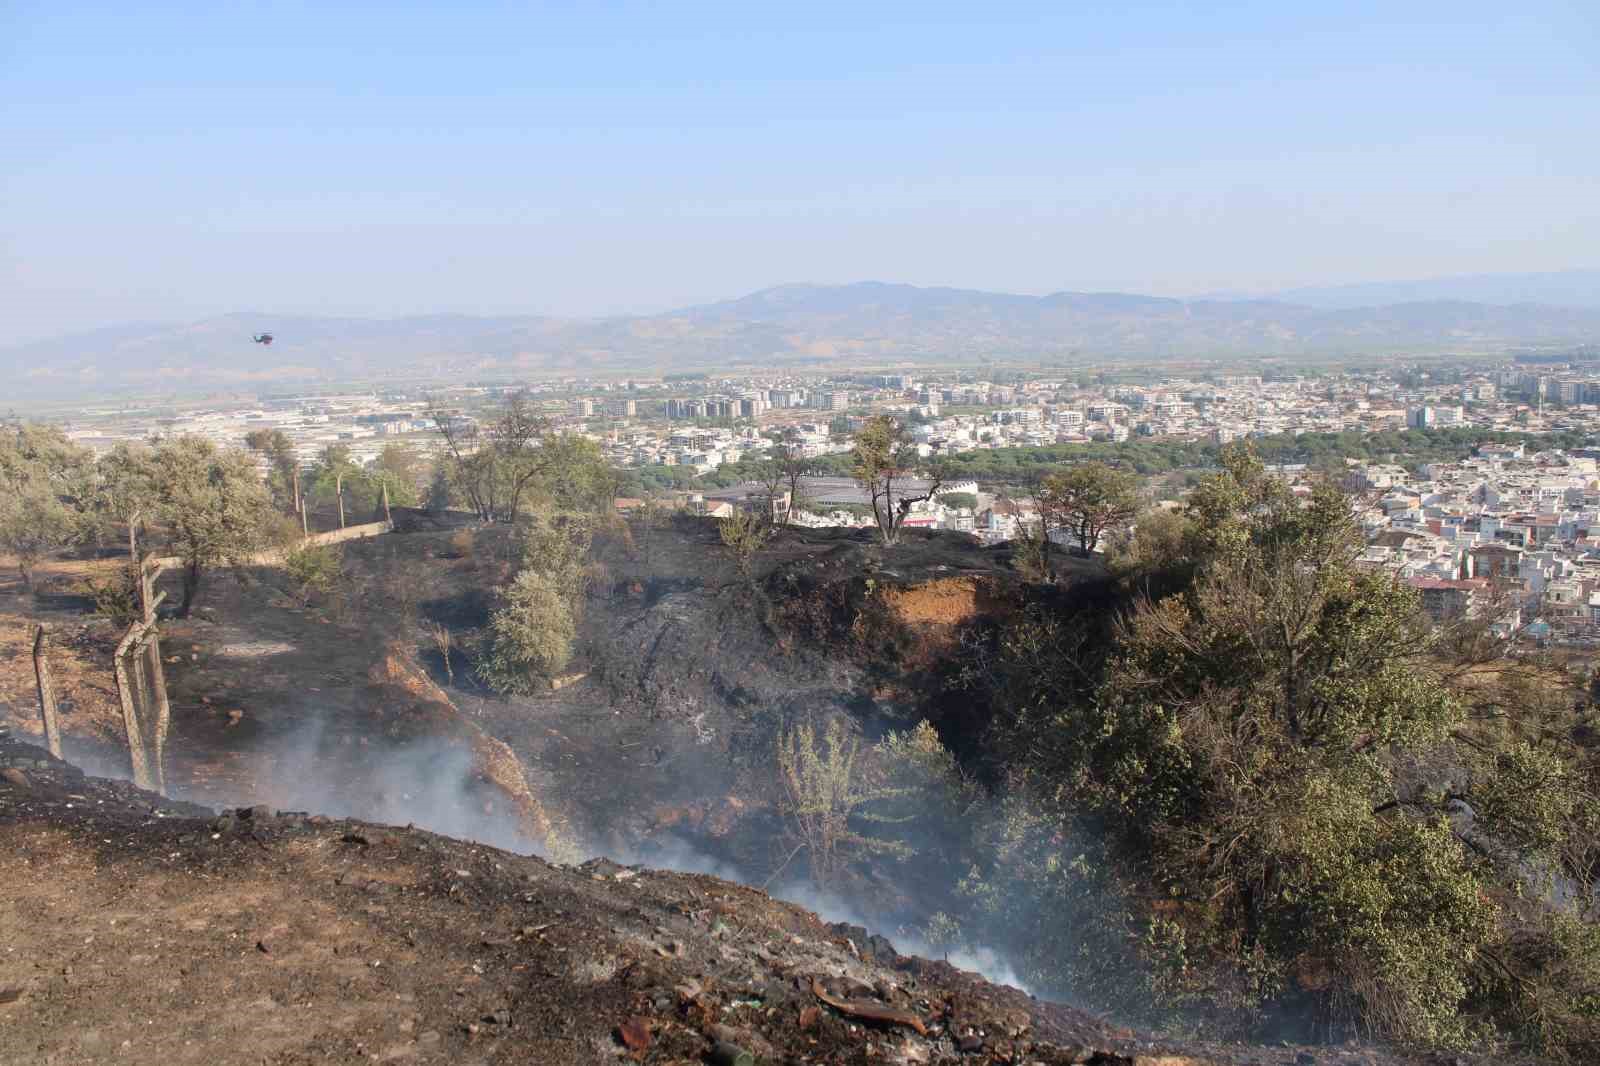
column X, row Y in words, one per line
column 165, row 161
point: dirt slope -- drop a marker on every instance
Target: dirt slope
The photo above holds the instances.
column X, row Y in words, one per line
column 136, row 931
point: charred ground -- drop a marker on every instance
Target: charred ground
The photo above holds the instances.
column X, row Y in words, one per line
column 659, row 750
column 141, row 930
column 662, row 744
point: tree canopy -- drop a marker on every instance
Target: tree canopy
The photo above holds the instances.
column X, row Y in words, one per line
column 282, row 479
column 1277, row 750
column 212, row 503
column 47, row 491
column 1086, row 500
column 884, row 461
column 513, row 461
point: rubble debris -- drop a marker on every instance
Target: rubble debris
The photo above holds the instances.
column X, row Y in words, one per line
column 730, row 1036
column 723, row 1054
column 635, row 1033
column 870, row 1012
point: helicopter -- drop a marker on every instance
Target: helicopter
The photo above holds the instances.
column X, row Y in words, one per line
column 262, row 338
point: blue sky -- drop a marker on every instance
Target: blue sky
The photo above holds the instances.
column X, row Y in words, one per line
column 168, row 161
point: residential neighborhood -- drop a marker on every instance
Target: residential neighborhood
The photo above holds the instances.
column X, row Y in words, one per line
column 1512, row 529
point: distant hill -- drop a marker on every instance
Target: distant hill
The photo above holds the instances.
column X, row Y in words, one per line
column 789, row 325
column 1567, row 288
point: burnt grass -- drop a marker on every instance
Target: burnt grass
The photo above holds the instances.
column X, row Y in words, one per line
column 662, row 751
column 133, row 923
column 666, row 743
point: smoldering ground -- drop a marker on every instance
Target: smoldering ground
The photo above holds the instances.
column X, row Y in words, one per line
column 433, row 784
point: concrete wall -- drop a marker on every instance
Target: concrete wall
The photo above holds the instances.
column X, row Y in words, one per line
column 276, row 556
column 361, row 532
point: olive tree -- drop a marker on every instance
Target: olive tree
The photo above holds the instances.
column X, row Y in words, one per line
column 46, row 492
column 793, row 467
column 284, row 478
column 399, row 469
column 1086, row 500
column 884, row 461
column 213, row 504
column 336, row 477
column 492, row 463
column 126, row 490
column 34, row 524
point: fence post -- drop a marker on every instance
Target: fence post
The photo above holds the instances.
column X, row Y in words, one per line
column 157, row 674
column 47, row 689
column 130, row 713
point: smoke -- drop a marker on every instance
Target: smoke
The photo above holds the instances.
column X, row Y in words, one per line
column 673, row 852
column 434, row 785
column 429, row 783
column 977, row 958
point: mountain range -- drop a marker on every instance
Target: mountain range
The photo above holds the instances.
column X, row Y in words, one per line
column 815, row 325
column 1565, row 288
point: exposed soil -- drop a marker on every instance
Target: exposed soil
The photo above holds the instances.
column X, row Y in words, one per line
column 137, row 931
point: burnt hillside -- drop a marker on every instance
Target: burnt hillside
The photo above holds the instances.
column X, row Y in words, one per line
column 141, row 930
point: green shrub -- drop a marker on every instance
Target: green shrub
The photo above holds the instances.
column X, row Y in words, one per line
column 557, row 546
column 828, row 799
column 314, row 568
column 529, row 640
column 743, row 533
column 1249, row 749
column 115, row 598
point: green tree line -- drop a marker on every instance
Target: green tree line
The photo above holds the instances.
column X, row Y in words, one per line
column 1023, row 467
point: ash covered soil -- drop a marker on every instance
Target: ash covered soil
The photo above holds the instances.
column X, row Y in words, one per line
column 134, row 929
column 140, row 930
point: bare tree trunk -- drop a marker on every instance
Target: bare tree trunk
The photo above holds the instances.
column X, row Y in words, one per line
column 338, row 492
column 299, row 503
column 47, row 690
column 191, row 587
column 130, row 714
column 305, row 530
column 387, row 516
